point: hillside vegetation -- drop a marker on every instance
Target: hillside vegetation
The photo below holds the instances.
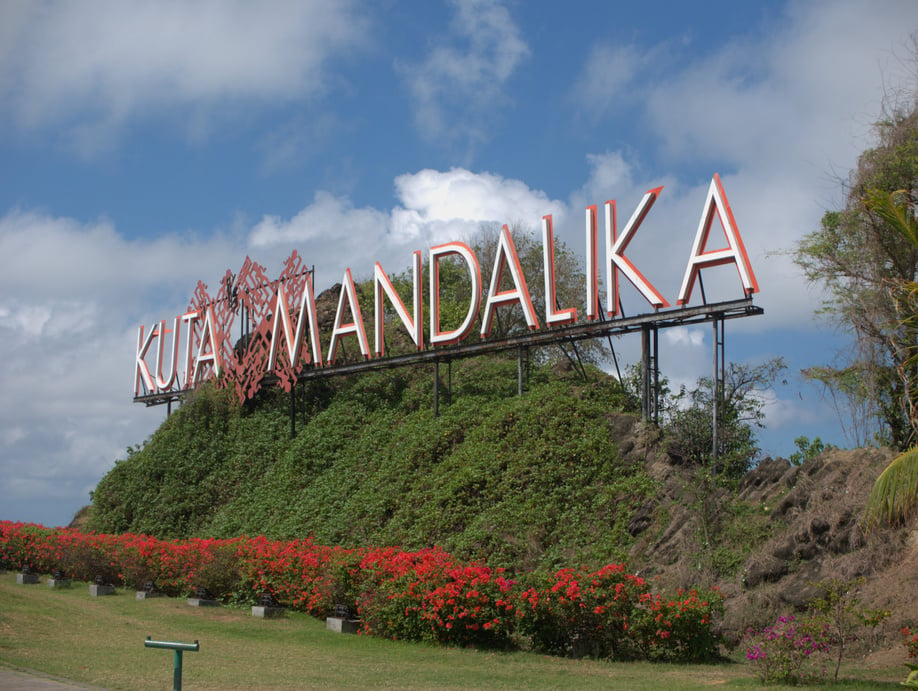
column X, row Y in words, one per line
column 523, row 482
column 563, row 476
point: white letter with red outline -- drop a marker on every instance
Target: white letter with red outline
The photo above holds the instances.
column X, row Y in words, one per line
column 734, row 253
column 617, row 261
column 164, row 383
column 506, row 256
column 382, row 285
column 553, row 315
column 349, row 293
column 208, row 338
column 189, row 318
column 141, row 371
column 294, row 339
column 437, row 336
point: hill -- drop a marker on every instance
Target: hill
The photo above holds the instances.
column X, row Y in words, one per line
column 524, row 482
column 564, row 475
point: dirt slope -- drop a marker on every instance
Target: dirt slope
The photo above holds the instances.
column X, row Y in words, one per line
column 789, row 527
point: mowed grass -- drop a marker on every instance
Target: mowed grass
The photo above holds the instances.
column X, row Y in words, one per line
column 99, row 641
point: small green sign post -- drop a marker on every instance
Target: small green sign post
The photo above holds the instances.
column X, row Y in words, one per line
column 179, row 648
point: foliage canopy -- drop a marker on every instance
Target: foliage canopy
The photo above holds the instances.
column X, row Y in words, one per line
column 863, row 259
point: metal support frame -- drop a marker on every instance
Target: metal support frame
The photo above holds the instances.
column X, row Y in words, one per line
column 650, row 374
column 436, row 388
column 449, row 385
column 648, row 324
column 717, row 390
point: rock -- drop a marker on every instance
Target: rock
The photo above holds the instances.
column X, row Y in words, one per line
column 765, row 570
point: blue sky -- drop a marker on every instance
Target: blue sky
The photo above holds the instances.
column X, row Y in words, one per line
column 145, row 146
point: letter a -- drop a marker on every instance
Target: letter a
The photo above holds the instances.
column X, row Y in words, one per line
column 208, row 342
column 735, row 253
column 507, row 256
column 348, row 294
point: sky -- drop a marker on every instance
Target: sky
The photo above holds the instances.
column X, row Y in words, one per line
column 146, row 146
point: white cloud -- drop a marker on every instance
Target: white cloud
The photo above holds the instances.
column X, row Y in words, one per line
column 92, row 65
column 611, row 77
column 683, row 335
column 779, row 112
column 327, row 218
column 461, row 79
column 795, row 102
column 44, row 257
column 73, row 295
column 434, row 207
column 439, row 206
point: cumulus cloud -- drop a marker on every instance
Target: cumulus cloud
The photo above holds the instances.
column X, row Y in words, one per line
column 461, row 79
column 433, row 207
column 43, row 257
column 438, row 206
column 779, row 111
column 94, row 64
column 72, row 295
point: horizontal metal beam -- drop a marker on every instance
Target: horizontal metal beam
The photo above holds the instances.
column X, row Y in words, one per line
column 661, row 319
column 172, row 645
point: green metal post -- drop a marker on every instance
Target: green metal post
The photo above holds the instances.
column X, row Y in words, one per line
column 179, row 648
column 177, row 672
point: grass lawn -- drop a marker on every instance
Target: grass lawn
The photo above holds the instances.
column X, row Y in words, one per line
column 99, row 641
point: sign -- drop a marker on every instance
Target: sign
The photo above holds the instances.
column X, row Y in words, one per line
column 278, row 324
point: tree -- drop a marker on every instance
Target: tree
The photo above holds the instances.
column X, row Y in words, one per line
column 895, row 493
column 864, row 261
column 509, row 320
column 739, row 411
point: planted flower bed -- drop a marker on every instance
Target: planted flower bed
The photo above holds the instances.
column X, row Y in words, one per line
column 423, row 595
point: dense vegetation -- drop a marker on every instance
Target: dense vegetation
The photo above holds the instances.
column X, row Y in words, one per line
column 526, row 482
column 866, row 258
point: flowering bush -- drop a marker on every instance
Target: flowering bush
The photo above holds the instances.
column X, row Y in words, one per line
column 611, row 613
column 428, row 595
column 679, row 628
column 910, row 641
column 425, row 595
column 788, row 651
column 583, row 613
column 301, row 574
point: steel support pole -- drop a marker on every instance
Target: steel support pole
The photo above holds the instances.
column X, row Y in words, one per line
column 519, row 372
column 656, row 375
column 717, row 390
column 436, row 388
column 177, row 672
column 645, row 373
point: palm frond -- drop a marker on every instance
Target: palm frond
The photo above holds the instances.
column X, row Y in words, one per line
column 896, row 210
column 895, row 493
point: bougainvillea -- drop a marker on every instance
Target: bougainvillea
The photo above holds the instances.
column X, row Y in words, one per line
column 910, row 641
column 788, row 651
column 424, row 595
column 610, row 613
